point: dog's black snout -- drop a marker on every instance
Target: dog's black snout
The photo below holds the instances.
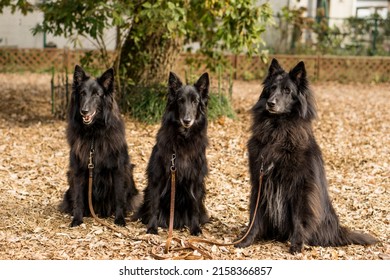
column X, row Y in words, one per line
column 84, row 111
column 187, row 121
column 271, row 103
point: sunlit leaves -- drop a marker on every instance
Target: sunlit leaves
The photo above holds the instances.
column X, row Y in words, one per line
column 234, row 26
column 17, row 5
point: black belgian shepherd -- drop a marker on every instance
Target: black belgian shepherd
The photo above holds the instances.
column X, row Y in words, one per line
column 183, row 132
column 94, row 119
column 295, row 205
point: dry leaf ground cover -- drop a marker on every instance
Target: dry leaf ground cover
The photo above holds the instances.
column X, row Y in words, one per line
column 353, row 130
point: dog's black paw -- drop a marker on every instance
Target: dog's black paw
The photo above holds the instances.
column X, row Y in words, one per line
column 295, row 248
column 152, row 230
column 120, row 221
column 245, row 243
column 76, row 222
column 196, row 231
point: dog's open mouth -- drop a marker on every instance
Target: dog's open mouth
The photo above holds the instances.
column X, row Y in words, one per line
column 87, row 119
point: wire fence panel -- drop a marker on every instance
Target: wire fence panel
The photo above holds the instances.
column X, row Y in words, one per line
column 319, row 67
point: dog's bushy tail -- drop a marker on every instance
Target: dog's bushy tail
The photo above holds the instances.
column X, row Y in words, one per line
column 358, row 238
column 343, row 236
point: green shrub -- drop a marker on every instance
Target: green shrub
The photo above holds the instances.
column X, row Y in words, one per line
column 146, row 104
column 219, row 105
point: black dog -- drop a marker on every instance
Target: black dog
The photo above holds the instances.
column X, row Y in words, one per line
column 94, row 122
column 183, row 132
column 294, row 203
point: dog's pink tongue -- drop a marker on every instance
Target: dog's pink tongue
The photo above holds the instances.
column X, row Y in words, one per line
column 87, row 119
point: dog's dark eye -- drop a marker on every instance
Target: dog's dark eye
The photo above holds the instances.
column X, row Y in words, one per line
column 97, row 92
column 287, row 91
column 82, row 93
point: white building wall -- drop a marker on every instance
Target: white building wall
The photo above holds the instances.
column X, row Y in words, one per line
column 15, row 31
column 339, row 10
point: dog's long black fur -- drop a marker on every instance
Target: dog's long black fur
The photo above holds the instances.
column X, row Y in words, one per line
column 94, row 118
column 295, row 205
column 183, row 132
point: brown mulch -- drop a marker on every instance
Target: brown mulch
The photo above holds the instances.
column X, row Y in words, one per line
column 353, row 130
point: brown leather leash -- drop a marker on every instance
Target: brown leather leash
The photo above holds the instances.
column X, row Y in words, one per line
column 172, row 203
column 185, row 245
column 91, row 166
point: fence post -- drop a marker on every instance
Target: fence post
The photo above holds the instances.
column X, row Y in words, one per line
column 318, row 67
column 235, row 66
column 66, row 58
column 52, row 90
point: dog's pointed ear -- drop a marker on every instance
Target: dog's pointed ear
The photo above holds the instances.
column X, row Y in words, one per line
column 174, row 82
column 202, row 85
column 106, row 80
column 298, row 73
column 274, row 67
column 78, row 75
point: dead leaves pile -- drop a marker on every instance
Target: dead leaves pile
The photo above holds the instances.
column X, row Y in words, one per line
column 353, row 129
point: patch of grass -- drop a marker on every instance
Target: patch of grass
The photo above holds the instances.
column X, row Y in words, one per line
column 147, row 104
column 219, row 105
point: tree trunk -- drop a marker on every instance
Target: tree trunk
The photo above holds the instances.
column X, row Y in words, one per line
column 148, row 60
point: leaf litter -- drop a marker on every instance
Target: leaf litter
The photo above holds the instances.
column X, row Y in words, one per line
column 353, row 130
